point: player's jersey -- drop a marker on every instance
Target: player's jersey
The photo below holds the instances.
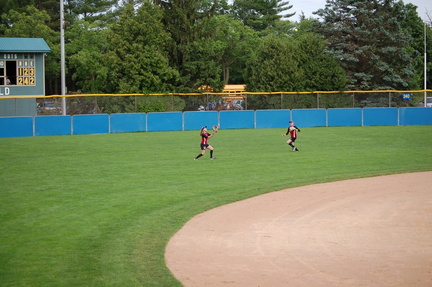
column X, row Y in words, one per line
column 292, row 131
column 204, row 138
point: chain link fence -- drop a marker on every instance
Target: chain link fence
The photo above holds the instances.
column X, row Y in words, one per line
column 140, row 103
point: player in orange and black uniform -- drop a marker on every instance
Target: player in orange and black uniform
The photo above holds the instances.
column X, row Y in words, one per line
column 292, row 131
column 204, row 143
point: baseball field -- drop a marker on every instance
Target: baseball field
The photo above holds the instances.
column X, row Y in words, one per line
column 99, row 210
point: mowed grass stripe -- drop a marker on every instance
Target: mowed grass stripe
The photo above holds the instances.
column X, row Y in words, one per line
column 98, row 210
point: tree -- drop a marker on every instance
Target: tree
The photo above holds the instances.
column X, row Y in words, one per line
column 202, row 64
column 260, row 14
column 366, row 36
column 273, row 67
column 7, row 5
column 91, row 10
column 87, row 49
column 137, row 59
column 322, row 72
column 237, row 42
column 186, row 22
column 137, row 55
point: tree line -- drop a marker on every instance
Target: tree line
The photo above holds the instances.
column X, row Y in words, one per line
column 164, row 46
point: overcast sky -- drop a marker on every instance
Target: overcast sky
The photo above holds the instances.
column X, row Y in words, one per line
column 309, row 6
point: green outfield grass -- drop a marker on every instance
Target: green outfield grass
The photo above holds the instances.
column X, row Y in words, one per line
column 98, row 210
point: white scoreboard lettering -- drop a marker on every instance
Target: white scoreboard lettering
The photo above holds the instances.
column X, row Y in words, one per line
column 4, row 91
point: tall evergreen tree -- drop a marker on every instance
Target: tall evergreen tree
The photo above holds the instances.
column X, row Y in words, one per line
column 137, row 57
column 322, row 72
column 52, row 7
column 7, row 5
column 90, row 10
column 86, row 54
column 186, row 22
column 275, row 66
column 260, row 14
column 366, row 36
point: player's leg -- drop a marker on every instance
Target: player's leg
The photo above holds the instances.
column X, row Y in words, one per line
column 294, row 148
column 211, row 152
column 291, row 144
column 203, row 150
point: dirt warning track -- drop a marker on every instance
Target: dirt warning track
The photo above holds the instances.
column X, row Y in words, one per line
column 362, row 232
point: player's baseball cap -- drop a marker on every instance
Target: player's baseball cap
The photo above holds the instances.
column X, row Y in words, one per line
column 291, row 122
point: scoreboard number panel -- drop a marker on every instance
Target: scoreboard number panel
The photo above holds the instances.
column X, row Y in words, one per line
column 19, row 68
column 26, row 81
column 26, row 73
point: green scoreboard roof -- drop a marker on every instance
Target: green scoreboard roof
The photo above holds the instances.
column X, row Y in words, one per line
column 23, row 45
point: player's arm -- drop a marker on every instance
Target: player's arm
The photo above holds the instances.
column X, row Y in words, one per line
column 285, row 134
column 297, row 128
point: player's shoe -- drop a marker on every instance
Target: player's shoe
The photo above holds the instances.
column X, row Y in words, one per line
column 293, row 148
column 296, row 149
column 212, row 158
column 195, row 158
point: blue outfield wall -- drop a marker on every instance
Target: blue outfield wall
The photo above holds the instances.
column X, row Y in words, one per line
column 196, row 120
column 171, row 121
column 177, row 121
column 125, row 123
column 344, row 117
column 380, row 116
column 53, row 125
column 237, row 119
column 90, row 124
column 16, row 127
column 415, row 116
column 310, row 118
column 266, row 119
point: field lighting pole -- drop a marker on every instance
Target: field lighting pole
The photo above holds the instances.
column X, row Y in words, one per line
column 62, row 52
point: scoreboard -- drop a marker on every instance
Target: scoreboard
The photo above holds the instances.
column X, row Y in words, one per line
column 22, row 74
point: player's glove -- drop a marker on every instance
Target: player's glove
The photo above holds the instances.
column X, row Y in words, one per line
column 215, row 129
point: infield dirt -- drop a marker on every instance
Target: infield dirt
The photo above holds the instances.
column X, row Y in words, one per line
column 363, row 232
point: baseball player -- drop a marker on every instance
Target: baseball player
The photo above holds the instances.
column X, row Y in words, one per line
column 292, row 131
column 204, row 142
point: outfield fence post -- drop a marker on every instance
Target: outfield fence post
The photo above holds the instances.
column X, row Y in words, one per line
column 389, row 99
column 172, row 103
column 34, row 126
column 135, row 108
column 327, row 118
column 281, row 101
column 318, row 103
column 398, row 118
column 183, row 121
